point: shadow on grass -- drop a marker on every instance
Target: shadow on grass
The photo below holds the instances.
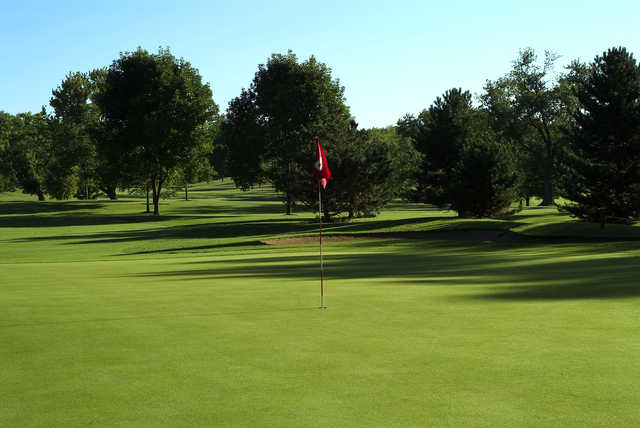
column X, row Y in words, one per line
column 217, row 210
column 197, row 248
column 44, row 207
column 587, row 230
column 81, row 220
column 490, row 272
column 248, row 229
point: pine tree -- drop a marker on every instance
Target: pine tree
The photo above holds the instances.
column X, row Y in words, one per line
column 604, row 158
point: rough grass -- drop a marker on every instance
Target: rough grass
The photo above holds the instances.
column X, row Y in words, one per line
column 112, row 318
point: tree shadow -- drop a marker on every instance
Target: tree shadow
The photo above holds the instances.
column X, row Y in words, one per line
column 496, row 275
column 63, row 220
column 198, row 248
column 226, row 210
column 586, row 230
column 45, row 207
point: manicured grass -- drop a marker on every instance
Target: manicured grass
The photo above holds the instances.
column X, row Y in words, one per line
column 112, row 318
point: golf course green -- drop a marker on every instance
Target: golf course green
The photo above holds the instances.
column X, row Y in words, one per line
column 110, row 317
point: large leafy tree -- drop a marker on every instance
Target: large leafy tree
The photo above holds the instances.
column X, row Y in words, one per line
column 527, row 108
column 78, row 129
column 152, row 107
column 30, row 152
column 604, row 160
column 270, row 127
column 197, row 165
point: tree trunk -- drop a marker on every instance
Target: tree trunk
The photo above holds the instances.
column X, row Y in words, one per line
column 547, row 197
column 40, row 195
column 528, row 200
column 186, row 191
column 111, row 193
column 290, row 201
column 156, row 185
column 147, row 189
column 156, row 197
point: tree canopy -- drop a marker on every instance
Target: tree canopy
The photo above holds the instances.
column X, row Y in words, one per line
column 270, row 127
column 153, row 106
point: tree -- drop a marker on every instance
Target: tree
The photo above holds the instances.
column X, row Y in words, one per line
column 8, row 179
column 464, row 166
column 152, row 107
column 219, row 158
column 369, row 168
column 270, row 127
column 527, row 107
column 197, row 166
column 75, row 121
column 604, row 159
column 445, row 128
column 29, row 151
column 484, row 178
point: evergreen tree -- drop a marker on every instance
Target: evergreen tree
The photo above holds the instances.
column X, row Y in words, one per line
column 445, row 128
column 464, row 166
column 485, row 180
column 369, row 168
column 604, row 159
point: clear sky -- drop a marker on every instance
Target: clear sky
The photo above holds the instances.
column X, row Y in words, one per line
column 393, row 57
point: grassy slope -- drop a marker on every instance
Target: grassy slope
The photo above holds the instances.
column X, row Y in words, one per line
column 190, row 321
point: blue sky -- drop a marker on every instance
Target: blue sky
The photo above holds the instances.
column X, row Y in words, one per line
column 393, row 57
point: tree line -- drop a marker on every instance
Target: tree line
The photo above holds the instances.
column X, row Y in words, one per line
column 148, row 121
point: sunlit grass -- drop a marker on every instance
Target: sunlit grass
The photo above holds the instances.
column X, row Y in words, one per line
column 113, row 318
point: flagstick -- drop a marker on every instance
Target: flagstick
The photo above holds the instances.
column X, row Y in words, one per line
column 322, row 306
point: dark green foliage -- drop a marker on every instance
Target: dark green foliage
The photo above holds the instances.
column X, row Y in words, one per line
column 78, row 131
column 485, row 178
column 369, row 168
column 219, row 157
column 441, row 135
column 270, row 127
column 243, row 137
column 8, row 179
column 464, row 166
column 30, row 151
column 604, row 158
column 528, row 109
column 152, row 107
column 197, row 166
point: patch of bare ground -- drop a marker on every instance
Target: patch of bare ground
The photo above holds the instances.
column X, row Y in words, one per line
column 477, row 235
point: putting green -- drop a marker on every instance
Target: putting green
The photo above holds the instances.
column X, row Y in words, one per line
column 112, row 319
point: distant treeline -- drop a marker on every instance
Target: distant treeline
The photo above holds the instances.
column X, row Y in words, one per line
column 147, row 121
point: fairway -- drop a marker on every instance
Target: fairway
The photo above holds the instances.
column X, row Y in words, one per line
column 111, row 318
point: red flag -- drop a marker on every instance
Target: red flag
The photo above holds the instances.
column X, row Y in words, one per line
column 320, row 167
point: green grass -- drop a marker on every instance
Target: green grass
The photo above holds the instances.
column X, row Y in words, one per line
column 111, row 318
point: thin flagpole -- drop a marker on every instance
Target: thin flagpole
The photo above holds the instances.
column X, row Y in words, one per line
column 321, row 260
